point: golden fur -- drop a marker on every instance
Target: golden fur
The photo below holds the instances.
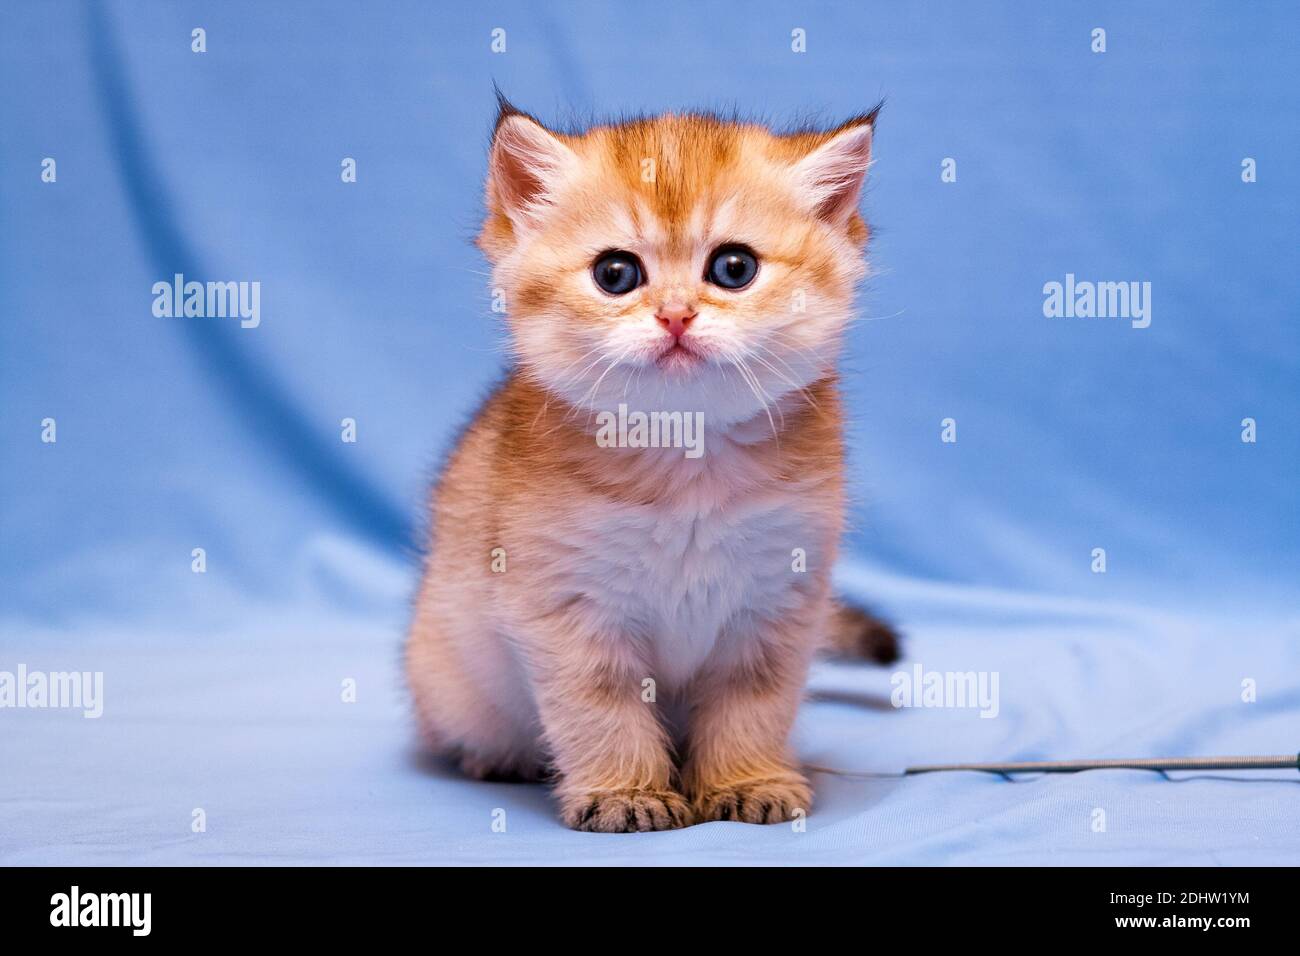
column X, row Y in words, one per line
column 633, row 621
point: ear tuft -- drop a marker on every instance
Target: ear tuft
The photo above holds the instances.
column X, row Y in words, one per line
column 505, row 108
column 830, row 177
column 526, row 165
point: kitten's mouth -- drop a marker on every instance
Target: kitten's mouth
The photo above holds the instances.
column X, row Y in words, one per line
column 678, row 355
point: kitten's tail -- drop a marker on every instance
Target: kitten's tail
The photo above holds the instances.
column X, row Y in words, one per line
column 855, row 633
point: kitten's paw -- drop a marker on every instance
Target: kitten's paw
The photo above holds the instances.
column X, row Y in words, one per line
column 769, row 800
column 626, row 811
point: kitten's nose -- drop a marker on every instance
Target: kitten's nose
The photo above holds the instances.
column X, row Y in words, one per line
column 675, row 316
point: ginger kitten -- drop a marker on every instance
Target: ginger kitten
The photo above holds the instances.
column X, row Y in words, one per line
column 600, row 604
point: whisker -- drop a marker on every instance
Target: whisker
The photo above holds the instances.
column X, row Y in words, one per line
column 592, row 393
column 801, row 389
column 754, row 386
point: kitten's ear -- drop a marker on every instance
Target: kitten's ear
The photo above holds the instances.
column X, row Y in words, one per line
column 829, row 178
column 526, row 165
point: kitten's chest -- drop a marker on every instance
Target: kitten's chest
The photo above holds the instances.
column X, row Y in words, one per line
column 680, row 573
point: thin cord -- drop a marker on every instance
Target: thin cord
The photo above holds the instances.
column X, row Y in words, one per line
column 1159, row 764
column 854, row 774
column 1283, row 762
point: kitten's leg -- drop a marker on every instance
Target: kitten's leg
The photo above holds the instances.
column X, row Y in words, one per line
column 612, row 754
column 476, row 715
column 738, row 764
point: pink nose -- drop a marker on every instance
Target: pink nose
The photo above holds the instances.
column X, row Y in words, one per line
column 675, row 316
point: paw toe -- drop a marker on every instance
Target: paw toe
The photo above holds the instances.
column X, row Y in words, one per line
column 627, row 811
column 757, row 801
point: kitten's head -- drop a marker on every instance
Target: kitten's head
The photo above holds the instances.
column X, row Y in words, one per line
column 683, row 263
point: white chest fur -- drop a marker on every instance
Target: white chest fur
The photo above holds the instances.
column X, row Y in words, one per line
column 676, row 573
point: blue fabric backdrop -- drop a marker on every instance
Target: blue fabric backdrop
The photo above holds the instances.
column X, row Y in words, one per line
column 222, row 689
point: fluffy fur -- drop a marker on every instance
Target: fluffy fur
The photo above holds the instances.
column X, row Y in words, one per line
column 636, row 623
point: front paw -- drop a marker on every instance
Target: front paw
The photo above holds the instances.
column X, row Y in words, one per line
column 626, row 811
column 767, row 800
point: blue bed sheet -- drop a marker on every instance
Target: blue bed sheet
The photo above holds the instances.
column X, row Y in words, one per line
column 129, row 158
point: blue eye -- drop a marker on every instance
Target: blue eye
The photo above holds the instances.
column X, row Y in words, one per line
column 732, row 267
column 618, row 273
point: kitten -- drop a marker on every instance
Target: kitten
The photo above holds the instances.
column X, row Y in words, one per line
column 633, row 620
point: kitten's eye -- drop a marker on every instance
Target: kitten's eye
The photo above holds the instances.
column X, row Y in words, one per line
column 732, row 267
column 618, row 273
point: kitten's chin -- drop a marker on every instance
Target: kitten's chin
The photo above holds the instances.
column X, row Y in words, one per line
column 679, row 360
column 682, row 380
column 696, row 384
